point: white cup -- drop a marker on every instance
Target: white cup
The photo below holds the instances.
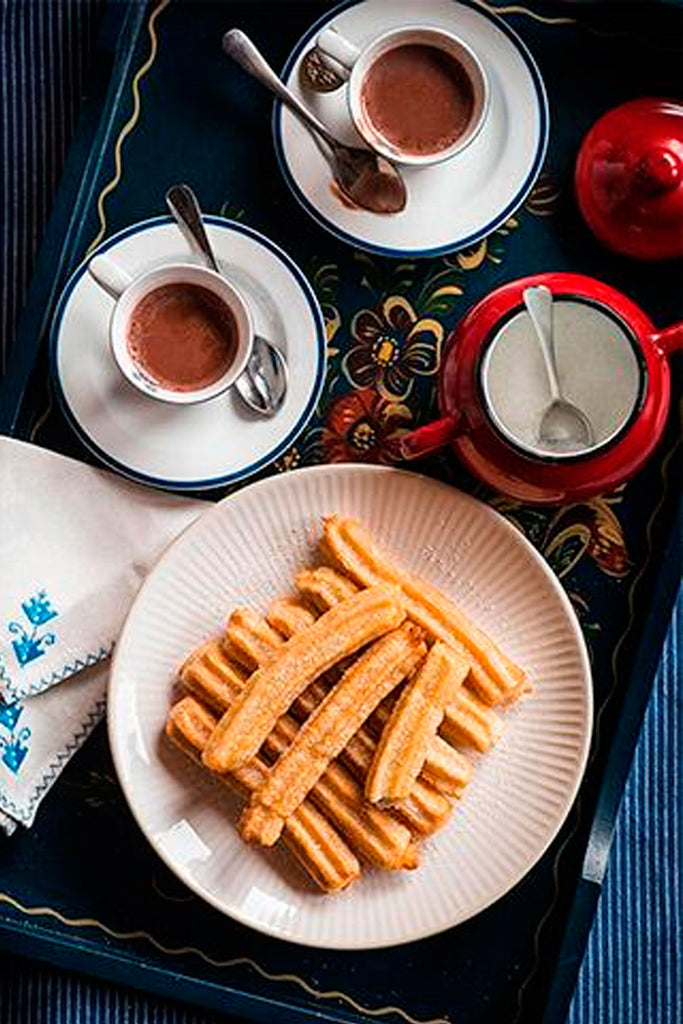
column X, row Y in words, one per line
column 128, row 292
column 357, row 62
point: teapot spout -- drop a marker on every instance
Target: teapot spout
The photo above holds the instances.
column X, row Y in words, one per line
column 670, row 339
column 429, row 438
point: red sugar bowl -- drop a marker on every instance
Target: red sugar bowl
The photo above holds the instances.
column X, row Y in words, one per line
column 493, row 390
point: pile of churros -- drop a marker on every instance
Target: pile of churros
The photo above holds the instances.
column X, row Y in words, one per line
column 346, row 714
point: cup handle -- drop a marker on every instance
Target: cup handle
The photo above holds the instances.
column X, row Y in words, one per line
column 430, row 438
column 109, row 276
column 333, row 45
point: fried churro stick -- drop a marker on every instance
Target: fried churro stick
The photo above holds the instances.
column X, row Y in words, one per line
column 495, row 676
column 327, row 731
column 324, row 587
column 470, row 722
column 217, row 682
column 308, row 835
column 445, row 769
column 376, row 836
column 289, row 615
column 444, row 766
column 446, row 772
column 427, row 809
column 250, row 639
column 412, row 725
column 210, row 676
column 378, row 839
column 424, row 811
column 272, row 688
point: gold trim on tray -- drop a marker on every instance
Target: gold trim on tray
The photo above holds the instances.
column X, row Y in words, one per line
column 113, row 183
column 130, row 123
column 518, row 9
column 238, row 961
column 43, row 416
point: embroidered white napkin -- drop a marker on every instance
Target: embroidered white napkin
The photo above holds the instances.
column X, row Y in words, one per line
column 75, row 544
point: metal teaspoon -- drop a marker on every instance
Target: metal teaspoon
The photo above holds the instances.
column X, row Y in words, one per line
column 263, row 385
column 563, row 426
column 365, row 177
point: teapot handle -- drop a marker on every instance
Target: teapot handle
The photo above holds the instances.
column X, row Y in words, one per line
column 670, row 339
column 430, row 438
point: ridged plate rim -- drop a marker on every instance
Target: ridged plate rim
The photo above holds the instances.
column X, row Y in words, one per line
column 183, row 547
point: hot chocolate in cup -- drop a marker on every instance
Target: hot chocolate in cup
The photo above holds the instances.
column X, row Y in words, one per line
column 179, row 333
column 417, row 95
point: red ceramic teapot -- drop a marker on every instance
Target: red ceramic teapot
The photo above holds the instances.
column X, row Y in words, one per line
column 493, row 390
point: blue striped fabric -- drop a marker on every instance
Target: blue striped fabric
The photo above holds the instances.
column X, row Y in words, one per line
column 46, row 49
column 632, row 971
column 33, row 994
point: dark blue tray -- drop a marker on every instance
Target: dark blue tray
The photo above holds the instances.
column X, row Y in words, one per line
column 82, row 888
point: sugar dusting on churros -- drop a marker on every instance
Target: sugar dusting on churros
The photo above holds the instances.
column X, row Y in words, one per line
column 346, row 713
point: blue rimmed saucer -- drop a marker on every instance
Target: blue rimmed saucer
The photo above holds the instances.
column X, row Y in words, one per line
column 192, row 447
column 450, row 205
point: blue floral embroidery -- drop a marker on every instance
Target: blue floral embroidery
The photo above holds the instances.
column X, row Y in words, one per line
column 13, row 743
column 9, row 714
column 38, row 609
column 30, row 643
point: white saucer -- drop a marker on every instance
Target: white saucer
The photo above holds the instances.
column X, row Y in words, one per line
column 192, row 447
column 450, row 205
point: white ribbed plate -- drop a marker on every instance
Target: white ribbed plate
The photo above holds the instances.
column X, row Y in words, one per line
column 246, row 550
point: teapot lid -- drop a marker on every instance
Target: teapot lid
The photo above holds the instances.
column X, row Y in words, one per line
column 629, row 179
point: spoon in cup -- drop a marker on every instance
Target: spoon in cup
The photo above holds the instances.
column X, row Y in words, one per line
column 366, row 178
column 563, row 426
column 263, row 384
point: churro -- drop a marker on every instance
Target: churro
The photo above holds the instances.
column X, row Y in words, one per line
column 324, row 586
column 495, row 676
column 250, row 639
column 340, row 712
column 470, row 722
column 377, row 837
column 327, row 731
column 427, row 808
column 290, row 615
column 338, row 633
column 412, row 725
column 444, row 766
column 209, row 675
column 308, row 835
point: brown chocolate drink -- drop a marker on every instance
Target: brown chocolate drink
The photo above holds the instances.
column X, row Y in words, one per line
column 182, row 336
column 418, row 98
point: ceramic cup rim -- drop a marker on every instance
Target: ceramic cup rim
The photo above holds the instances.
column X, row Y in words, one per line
column 179, row 273
column 443, row 40
column 536, row 451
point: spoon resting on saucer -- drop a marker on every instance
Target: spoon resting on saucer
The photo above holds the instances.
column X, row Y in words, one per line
column 563, row 425
column 263, row 384
column 366, row 178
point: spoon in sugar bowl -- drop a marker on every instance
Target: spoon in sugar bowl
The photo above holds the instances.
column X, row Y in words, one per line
column 263, row 384
column 563, row 425
column 368, row 179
